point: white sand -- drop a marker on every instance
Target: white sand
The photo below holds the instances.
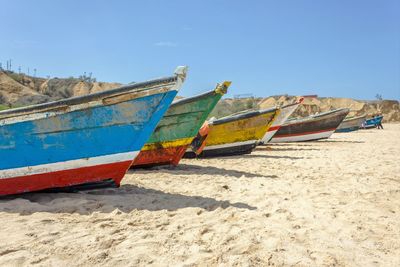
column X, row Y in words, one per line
column 334, row 202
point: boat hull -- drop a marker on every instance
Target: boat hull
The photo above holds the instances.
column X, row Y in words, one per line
column 350, row 125
column 83, row 143
column 232, row 149
column 285, row 113
column 371, row 123
column 236, row 135
column 66, row 178
column 348, row 129
column 370, row 126
column 177, row 128
column 306, row 136
column 162, row 156
column 310, row 129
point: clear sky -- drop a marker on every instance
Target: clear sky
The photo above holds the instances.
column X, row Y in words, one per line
column 342, row 48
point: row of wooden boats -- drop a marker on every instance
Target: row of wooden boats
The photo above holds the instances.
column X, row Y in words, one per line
column 93, row 140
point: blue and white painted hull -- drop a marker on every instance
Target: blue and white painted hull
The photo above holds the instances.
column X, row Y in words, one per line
column 372, row 123
column 348, row 129
column 80, row 140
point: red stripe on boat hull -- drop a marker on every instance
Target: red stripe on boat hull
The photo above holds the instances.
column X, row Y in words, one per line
column 36, row 182
column 274, row 128
column 162, row 156
column 303, row 133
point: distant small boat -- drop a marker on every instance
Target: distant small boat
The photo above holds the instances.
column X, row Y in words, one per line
column 372, row 122
column 314, row 127
column 81, row 140
column 178, row 127
column 235, row 134
column 285, row 113
column 350, row 124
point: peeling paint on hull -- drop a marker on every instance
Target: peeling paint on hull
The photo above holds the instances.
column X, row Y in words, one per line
column 177, row 129
column 237, row 134
column 162, row 156
column 36, row 182
column 87, row 142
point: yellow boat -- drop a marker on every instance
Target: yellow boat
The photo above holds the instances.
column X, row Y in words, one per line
column 233, row 135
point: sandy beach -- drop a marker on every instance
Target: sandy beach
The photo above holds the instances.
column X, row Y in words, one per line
column 326, row 203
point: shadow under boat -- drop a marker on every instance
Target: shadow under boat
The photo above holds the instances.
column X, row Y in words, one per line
column 126, row 198
column 270, row 156
column 180, row 169
column 341, row 141
column 272, row 149
column 206, row 170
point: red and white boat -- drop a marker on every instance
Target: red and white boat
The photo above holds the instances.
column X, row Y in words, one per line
column 285, row 113
column 320, row 126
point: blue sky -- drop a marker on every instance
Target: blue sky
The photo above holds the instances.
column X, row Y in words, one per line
column 339, row 48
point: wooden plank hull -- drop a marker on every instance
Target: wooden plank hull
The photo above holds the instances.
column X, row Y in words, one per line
column 80, row 140
column 177, row 129
column 235, row 135
column 312, row 128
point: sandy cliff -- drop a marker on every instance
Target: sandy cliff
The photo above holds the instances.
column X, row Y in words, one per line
column 21, row 90
column 389, row 108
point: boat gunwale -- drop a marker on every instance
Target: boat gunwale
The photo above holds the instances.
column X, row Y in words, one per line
column 246, row 115
column 323, row 114
column 320, row 116
column 298, row 102
column 134, row 88
column 355, row 118
column 192, row 98
column 374, row 118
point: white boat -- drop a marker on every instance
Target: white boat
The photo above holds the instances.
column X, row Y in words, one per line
column 285, row 113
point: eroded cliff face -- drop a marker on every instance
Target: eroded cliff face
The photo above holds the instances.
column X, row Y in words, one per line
column 389, row 108
column 312, row 105
column 21, row 90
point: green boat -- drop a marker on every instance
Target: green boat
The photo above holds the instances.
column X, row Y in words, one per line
column 177, row 129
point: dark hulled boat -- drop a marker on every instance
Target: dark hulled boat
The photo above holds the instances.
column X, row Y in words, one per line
column 320, row 126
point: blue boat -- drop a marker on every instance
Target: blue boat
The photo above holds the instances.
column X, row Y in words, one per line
column 81, row 140
column 372, row 123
